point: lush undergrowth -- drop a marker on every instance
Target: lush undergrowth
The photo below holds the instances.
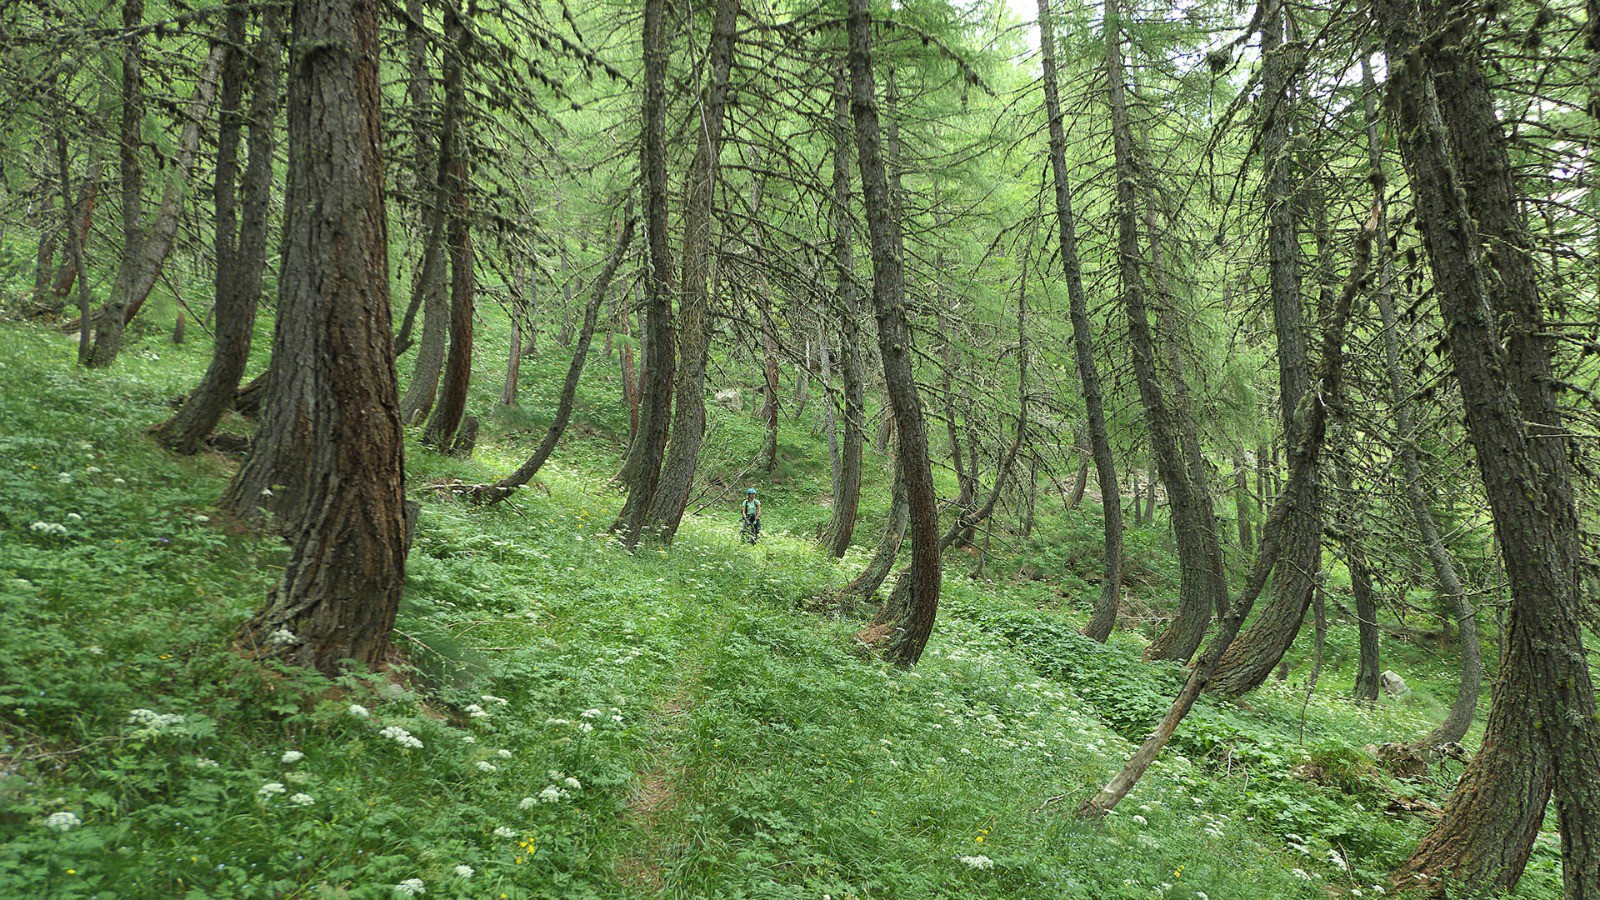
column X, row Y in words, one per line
column 565, row 720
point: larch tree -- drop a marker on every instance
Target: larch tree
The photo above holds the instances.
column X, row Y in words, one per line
column 341, row 586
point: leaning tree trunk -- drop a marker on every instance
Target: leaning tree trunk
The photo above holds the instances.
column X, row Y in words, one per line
column 849, row 313
column 694, row 305
column 641, row 471
column 131, row 170
column 341, row 585
column 74, row 238
column 142, row 266
column 78, row 229
column 1355, row 558
column 1193, row 521
column 911, row 631
column 893, row 535
column 1104, row 617
column 242, row 260
column 569, row 388
column 1455, row 153
column 1303, row 460
column 1252, row 658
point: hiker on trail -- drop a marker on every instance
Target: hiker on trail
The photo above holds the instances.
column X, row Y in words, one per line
column 752, row 512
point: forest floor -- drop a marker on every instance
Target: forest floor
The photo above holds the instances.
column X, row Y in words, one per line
column 567, row 720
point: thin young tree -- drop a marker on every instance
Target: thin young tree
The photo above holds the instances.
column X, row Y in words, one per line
column 909, row 635
column 1104, row 617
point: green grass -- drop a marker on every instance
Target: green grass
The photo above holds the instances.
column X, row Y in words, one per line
column 726, row 738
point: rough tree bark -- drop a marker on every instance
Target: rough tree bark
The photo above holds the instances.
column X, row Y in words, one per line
column 909, row 635
column 890, row 539
column 435, row 150
column 1303, row 460
column 341, row 586
column 1455, row 153
column 242, row 254
column 1104, row 617
column 1193, row 520
column 1252, row 657
column 641, row 471
column 848, row 311
column 694, row 301
column 141, row 266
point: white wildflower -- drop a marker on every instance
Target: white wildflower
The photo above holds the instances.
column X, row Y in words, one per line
column 1141, row 820
column 93, row 470
column 119, row 481
column 976, row 862
column 302, row 799
column 468, row 739
column 202, row 762
column 490, row 698
column 359, row 711
column 476, row 711
column 62, row 821
column 1337, row 860
column 290, row 757
column 411, row 887
column 485, row 766
column 270, row 789
column 64, row 478
column 552, row 794
column 528, row 803
column 283, row 637
column 585, row 727
column 1301, row 874
column 591, row 714
column 402, row 737
column 503, row 754
column 464, row 871
column 74, row 517
column 504, row 832
column 96, row 650
column 572, row 783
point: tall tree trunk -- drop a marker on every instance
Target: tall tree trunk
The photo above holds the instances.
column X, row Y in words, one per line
column 847, row 310
column 641, row 471
column 1303, row 461
column 1455, row 154
column 694, row 305
column 569, row 388
column 341, row 585
column 130, row 168
column 440, row 432
column 433, row 159
column 140, row 269
column 911, row 630
column 74, row 238
column 1193, row 521
column 769, row 390
column 241, row 260
column 1455, row 725
column 1104, row 617
column 1251, row 658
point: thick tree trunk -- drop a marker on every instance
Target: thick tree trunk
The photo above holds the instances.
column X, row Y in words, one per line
column 1193, row 521
column 848, row 311
column 432, row 160
column 1104, row 617
column 569, row 388
column 130, row 168
column 694, row 305
column 1455, row 153
column 641, row 471
column 142, row 267
column 242, row 260
column 910, row 631
column 1368, row 667
column 440, row 432
column 1251, row 658
column 341, row 585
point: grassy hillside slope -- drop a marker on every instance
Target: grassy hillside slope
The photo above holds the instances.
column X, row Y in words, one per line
column 565, row 720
